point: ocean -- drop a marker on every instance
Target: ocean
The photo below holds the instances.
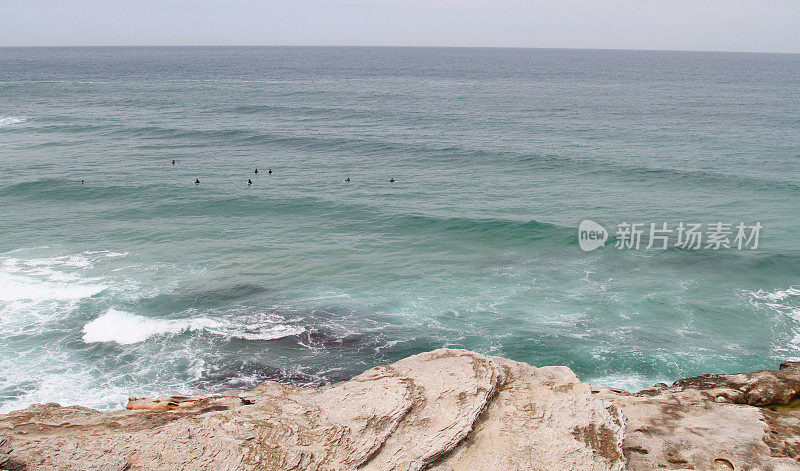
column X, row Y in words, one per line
column 140, row 282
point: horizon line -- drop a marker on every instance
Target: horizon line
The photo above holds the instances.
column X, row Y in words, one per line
column 396, row 46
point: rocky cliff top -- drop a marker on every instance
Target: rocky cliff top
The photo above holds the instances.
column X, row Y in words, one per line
column 444, row 410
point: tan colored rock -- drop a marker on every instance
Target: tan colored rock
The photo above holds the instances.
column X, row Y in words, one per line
column 5, row 450
column 446, row 409
column 543, row 409
column 685, row 430
column 709, row 422
column 759, row 388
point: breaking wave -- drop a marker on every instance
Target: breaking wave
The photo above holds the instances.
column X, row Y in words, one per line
column 125, row 328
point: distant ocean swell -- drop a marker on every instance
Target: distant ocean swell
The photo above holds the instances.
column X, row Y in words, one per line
column 379, row 146
column 263, row 204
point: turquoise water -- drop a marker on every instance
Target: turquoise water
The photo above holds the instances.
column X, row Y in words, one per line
column 140, row 282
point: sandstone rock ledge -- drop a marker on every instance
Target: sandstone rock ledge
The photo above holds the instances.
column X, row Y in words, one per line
column 445, row 410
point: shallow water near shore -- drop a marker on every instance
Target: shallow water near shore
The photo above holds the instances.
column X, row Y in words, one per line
column 140, row 282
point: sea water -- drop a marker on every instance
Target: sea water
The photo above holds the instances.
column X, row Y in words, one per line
column 140, row 282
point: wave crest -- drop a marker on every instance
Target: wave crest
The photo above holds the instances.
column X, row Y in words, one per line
column 11, row 120
column 125, row 328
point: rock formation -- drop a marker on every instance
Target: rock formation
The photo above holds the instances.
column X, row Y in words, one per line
column 446, row 410
column 712, row 422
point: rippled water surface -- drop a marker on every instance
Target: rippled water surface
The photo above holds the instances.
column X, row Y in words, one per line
column 141, row 282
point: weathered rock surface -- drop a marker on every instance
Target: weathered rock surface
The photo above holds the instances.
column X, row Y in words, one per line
column 446, row 410
column 5, row 450
column 711, row 422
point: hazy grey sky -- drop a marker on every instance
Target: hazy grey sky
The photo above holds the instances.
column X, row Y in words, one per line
column 729, row 25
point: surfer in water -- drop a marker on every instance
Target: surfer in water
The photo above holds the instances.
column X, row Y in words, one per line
column 249, row 182
column 346, row 180
column 82, row 182
column 270, row 171
column 256, row 171
column 173, row 162
column 196, row 181
column 391, row 180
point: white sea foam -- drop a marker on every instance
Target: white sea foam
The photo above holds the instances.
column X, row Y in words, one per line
column 55, row 279
column 266, row 333
column 11, row 120
column 39, row 286
column 43, row 292
column 106, row 253
column 630, row 383
column 777, row 295
column 57, row 287
column 786, row 303
column 52, row 373
column 63, row 384
column 125, row 328
column 34, row 290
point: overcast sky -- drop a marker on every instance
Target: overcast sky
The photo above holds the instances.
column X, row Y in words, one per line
column 719, row 25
